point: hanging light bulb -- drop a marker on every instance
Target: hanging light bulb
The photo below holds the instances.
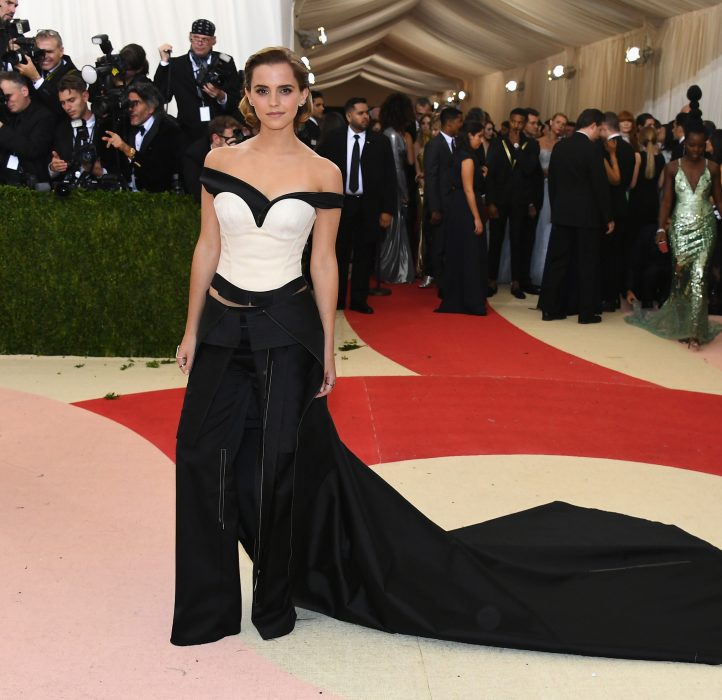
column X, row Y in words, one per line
column 322, row 37
column 306, row 62
column 311, row 79
column 462, row 95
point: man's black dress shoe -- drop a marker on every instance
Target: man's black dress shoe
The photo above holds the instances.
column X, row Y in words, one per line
column 361, row 308
column 534, row 289
column 594, row 318
column 516, row 292
column 547, row 316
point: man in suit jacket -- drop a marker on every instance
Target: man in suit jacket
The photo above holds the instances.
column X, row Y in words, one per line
column 176, row 77
column 437, row 188
column 46, row 76
column 79, row 128
column 369, row 179
column 153, row 144
column 26, row 136
column 581, row 214
column 222, row 131
column 310, row 132
column 514, row 194
column 615, row 245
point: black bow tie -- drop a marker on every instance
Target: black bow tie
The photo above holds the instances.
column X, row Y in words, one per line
column 141, row 129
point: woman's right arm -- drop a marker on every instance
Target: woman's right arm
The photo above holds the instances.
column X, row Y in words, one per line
column 665, row 206
column 467, row 181
column 205, row 263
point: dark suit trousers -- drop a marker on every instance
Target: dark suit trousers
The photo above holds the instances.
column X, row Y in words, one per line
column 518, row 227
column 353, row 242
column 614, row 255
column 560, row 256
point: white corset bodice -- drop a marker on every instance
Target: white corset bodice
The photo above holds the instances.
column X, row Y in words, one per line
column 262, row 240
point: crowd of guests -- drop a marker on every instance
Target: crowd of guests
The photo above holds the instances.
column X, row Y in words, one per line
column 58, row 131
column 580, row 202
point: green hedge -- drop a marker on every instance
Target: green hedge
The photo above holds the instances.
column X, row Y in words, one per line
column 96, row 273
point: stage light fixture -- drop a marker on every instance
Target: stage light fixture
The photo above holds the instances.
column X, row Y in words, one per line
column 514, row 86
column 638, row 56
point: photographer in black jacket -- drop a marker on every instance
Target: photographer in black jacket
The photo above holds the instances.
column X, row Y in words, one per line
column 204, row 82
column 46, row 73
column 152, row 145
column 26, row 136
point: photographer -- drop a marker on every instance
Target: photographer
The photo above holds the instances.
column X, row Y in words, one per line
column 48, row 70
column 7, row 12
column 204, row 82
column 152, row 146
column 26, row 137
column 76, row 146
column 222, row 131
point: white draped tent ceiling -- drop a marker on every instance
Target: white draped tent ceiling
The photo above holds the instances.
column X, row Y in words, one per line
column 433, row 46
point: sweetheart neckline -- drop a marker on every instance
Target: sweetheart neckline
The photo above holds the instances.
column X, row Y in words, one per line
column 261, row 194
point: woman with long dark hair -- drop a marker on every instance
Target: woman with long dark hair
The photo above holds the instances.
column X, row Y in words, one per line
column 465, row 244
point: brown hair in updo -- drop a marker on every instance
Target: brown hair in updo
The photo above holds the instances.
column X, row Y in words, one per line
column 274, row 55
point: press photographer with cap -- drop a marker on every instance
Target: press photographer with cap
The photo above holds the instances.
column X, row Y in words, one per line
column 152, row 147
column 182, row 77
column 25, row 135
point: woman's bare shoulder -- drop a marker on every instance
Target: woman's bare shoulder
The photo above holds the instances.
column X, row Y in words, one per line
column 325, row 173
column 222, row 158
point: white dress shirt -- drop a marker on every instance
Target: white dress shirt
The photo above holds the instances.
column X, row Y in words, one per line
column 449, row 140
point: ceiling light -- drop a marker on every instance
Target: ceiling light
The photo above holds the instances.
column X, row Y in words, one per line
column 462, row 95
column 449, row 99
column 560, row 71
column 306, row 62
column 436, row 105
column 514, row 86
column 637, row 55
column 311, row 79
column 310, row 38
column 322, row 35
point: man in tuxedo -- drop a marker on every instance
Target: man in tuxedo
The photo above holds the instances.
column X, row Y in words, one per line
column 310, row 132
column 222, row 131
column 177, row 77
column 437, row 188
column 615, row 245
column 46, row 76
column 153, row 144
column 514, row 194
column 581, row 214
column 369, row 180
column 25, row 135
column 77, row 130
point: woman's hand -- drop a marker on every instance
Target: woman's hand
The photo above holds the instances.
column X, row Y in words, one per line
column 329, row 378
column 185, row 354
column 478, row 226
column 610, row 145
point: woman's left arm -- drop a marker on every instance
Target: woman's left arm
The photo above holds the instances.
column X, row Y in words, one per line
column 324, row 272
column 714, row 171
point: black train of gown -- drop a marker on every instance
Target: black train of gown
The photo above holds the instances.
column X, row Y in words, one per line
column 553, row 578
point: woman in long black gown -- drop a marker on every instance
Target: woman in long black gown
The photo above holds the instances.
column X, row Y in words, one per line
column 465, row 244
column 259, row 459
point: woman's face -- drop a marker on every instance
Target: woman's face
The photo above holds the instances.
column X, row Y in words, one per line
column 489, row 131
column 694, row 146
column 662, row 134
column 475, row 140
column 626, row 126
column 435, row 128
column 275, row 95
column 425, row 124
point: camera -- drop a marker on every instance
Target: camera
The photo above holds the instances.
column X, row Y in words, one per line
column 108, row 102
column 216, row 73
column 26, row 46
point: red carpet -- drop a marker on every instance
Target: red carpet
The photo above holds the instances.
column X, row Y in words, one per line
column 489, row 389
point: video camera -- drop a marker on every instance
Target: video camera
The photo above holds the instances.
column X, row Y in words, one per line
column 26, row 46
column 215, row 73
column 110, row 101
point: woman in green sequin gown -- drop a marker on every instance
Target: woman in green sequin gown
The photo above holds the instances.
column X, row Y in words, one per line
column 691, row 239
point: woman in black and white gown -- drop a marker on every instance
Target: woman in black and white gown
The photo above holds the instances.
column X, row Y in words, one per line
column 259, row 459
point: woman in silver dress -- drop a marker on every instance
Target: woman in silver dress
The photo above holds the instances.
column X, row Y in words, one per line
column 397, row 261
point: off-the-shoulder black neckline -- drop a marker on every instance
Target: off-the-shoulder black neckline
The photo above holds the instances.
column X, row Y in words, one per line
column 257, row 201
column 261, row 194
